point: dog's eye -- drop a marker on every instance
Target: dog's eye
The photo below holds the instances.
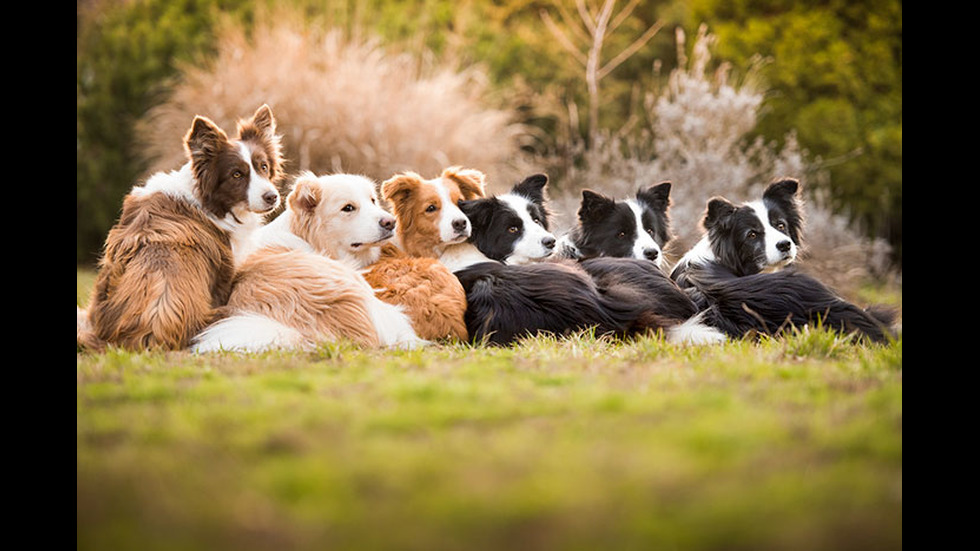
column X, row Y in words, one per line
column 537, row 221
column 752, row 235
column 650, row 231
column 781, row 226
column 621, row 235
column 431, row 208
column 348, row 208
column 265, row 167
column 513, row 229
column 237, row 174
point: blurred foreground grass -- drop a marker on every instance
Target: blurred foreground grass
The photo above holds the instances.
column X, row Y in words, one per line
column 579, row 443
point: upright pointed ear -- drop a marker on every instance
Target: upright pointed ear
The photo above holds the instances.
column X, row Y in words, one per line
column 471, row 182
column 262, row 120
column 532, row 187
column 594, row 206
column 782, row 191
column 397, row 189
column 718, row 211
column 306, row 194
column 657, row 197
column 204, row 138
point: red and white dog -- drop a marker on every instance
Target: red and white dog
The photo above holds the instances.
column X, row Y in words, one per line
column 300, row 285
column 168, row 262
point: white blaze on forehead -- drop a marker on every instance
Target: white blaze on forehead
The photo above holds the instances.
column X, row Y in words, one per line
column 448, row 213
column 644, row 241
column 773, row 236
column 258, row 185
column 531, row 243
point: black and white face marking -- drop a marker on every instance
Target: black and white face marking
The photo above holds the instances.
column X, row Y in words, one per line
column 757, row 236
column 512, row 228
column 634, row 228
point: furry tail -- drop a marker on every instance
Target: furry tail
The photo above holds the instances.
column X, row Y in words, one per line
column 694, row 330
column 247, row 333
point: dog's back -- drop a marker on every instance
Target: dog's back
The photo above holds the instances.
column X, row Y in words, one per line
column 165, row 270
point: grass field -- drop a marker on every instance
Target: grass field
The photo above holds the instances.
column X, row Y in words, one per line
column 580, row 443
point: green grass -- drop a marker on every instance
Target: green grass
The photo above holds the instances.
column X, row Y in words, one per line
column 578, row 443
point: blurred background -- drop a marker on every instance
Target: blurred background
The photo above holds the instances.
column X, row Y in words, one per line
column 719, row 97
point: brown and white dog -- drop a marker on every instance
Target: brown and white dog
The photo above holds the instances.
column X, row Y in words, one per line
column 168, row 262
column 300, row 284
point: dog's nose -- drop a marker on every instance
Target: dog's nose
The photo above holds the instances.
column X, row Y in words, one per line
column 783, row 246
column 387, row 223
column 651, row 254
column 459, row 224
column 270, row 197
column 548, row 242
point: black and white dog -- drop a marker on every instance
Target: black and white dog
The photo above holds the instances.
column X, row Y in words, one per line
column 737, row 273
column 635, row 228
column 513, row 291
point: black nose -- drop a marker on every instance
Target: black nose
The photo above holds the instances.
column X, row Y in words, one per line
column 651, row 254
column 387, row 223
column 459, row 224
column 548, row 242
column 783, row 246
column 270, row 197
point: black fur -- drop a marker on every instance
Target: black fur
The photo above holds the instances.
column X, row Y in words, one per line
column 772, row 302
column 607, row 227
column 496, row 228
column 621, row 297
column 737, row 299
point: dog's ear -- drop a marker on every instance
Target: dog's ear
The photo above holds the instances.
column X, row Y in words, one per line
column 594, row 206
column 479, row 211
column 398, row 188
column 262, row 122
column 532, row 187
column 719, row 210
column 782, row 190
column 306, row 194
column 471, row 182
column 657, row 197
column 204, row 138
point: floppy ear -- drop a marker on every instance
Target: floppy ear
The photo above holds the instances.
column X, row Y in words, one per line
column 532, row 187
column 594, row 206
column 656, row 196
column 471, row 182
column 478, row 211
column 306, row 194
column 719, row 210
column 398, row 188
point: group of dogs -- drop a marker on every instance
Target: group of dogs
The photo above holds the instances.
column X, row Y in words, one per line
column 191, row 263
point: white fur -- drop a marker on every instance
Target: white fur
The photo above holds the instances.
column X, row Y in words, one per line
column 644, row 241
column 530, row 246
column 258, row 185
column 448, row 214
column 694, row 331
column 247, row 332
column 774, row 257
column 699, row 254
column 461, row 255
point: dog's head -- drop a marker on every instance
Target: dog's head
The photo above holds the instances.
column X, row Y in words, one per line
column 512, row 227
column 428, row 212
column 635, row 228
column 757, row 236
column 338, row 214
column 236, row 176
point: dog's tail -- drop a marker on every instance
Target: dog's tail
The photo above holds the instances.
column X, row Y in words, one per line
column 772, row 302
column 85, row 336
column 247, row 332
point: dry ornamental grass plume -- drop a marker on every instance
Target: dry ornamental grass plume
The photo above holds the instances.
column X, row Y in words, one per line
column 696, row 135
column 344, row 105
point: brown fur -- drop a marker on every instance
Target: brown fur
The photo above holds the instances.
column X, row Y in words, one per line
column 313, row 294
column 166, row 268
column 417, row 228
column 430, row 294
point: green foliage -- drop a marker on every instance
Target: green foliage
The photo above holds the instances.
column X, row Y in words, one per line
column 578, row 443
column 835, row 75
column 125, row 53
